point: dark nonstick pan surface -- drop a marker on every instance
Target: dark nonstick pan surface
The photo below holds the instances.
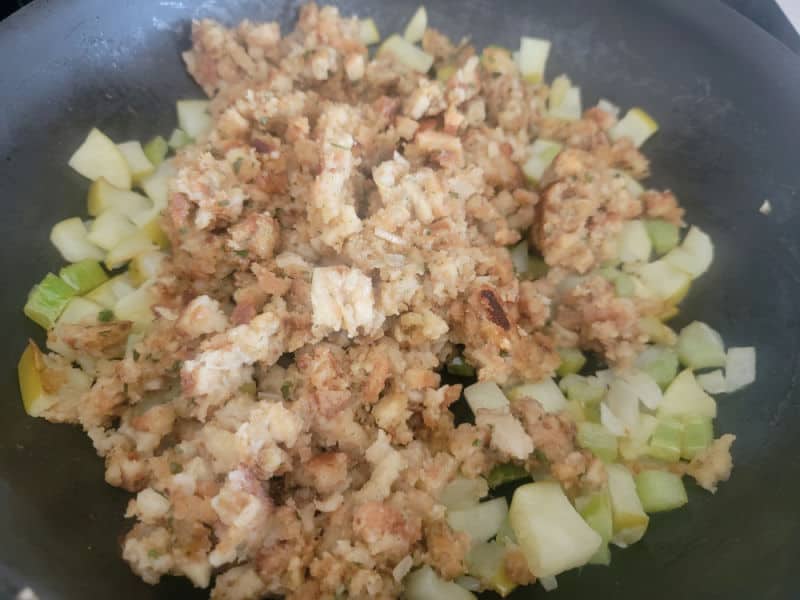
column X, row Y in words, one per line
column 727, row 97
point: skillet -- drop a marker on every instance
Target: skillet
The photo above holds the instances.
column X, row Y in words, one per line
column 725, row 94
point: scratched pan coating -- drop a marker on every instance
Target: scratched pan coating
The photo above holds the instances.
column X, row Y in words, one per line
column 725, row 94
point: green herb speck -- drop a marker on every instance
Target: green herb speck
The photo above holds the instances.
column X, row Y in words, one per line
column 242, row 253
column 105, row 315
column 286, row 390
column 237, row 164
column 153, row 553
column 175, row 468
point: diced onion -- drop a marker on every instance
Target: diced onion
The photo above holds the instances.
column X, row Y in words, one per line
column 194, row 117
column 481, row 521
column 416, row 26
column 425, row 584
column 138, row 163
column 541, row 153
column 468, row 583
column 713, row 382
column 623, row 401
column 570, row 106
column 70, row 239
column 548, row 583
column 645, row 388
column 463, row 492
column 545, row 392
column 695, row 254
column 610, row 421
column 634, row 243
column 608, row 107
column 519, row 257
column 740, row 368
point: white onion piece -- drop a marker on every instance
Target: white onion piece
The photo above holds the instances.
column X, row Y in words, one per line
column 468, row 583
column 623, row 401
column 740, row 368
column 645, row 388
column 610, row 421
column 548, row 583
column 713, row 382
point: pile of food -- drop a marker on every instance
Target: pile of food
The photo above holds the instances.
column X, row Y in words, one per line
column 266, row 341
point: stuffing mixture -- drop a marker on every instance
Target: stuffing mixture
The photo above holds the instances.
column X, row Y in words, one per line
column 341, row 233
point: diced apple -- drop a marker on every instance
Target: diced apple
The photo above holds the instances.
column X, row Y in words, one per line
column 695, row 254
column 109, row 229
column 700, row 347
column 634, row 243
column 368, row 32
column 40, row 382
column 103, row 196
column 137, row 307
column 126, row 249
column 70, row 239
column 630, row 520
column 684, row 397
column 138, row 163
column 533, row 54
column 485, row 395
column 406, row 53
column 194, row 117
column 156, row 186
column 664, row 280
column 463, row 492
column 107, row 294
column 540, row 155
column 99, row 157
column 416, row 26
column 550, row 532
column 146, row 266
column 636, row 125
column 565, row 100
column 486, row 561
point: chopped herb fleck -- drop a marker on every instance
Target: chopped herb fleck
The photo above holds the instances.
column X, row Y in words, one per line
column 237, row 164
column 176, row 366
column 136, row 355
column 175, row 468
column 263, row 121
column 286, row 390
column 223, row 202
column 125, row 389
column 453, row 195
column 183, row 230
column 153, row 553
column 242, row 253
column 476, row 443
column 105, row 315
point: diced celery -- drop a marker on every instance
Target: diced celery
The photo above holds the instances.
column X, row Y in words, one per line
column 406, row 53
column 666, row 441
column 47, row 300
column 595, row 509
column 70, row 239
column 537, row 268
column 660, row 490
column 684, row 397
column 486, row 561
column 664, row 235
column 83, row 276
column 572, row 361
column 624, row 284
column 630, row 520
column 178, row 139
column 533, row 53
column 425, row 584
column 482, row 521
column 485, row 395
column 103, row 196
column 99, row 157
column 586, row 390
column 194, row 117
column 156, row 150
column 599, row 440
column 126, row 249
column 463, row 492
column 80, row 310
column 137, row 160
column 700, row 347
column 660, row 363
column 459, row 367
column 634, row 243
column 416, row 26
column 545, row 392
column 146, row 266
column 505, row 473
column 698, row 433
column 109, row 229
column 576, row 411
column 636, row 125
column 368, row 32
column 550, row 532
